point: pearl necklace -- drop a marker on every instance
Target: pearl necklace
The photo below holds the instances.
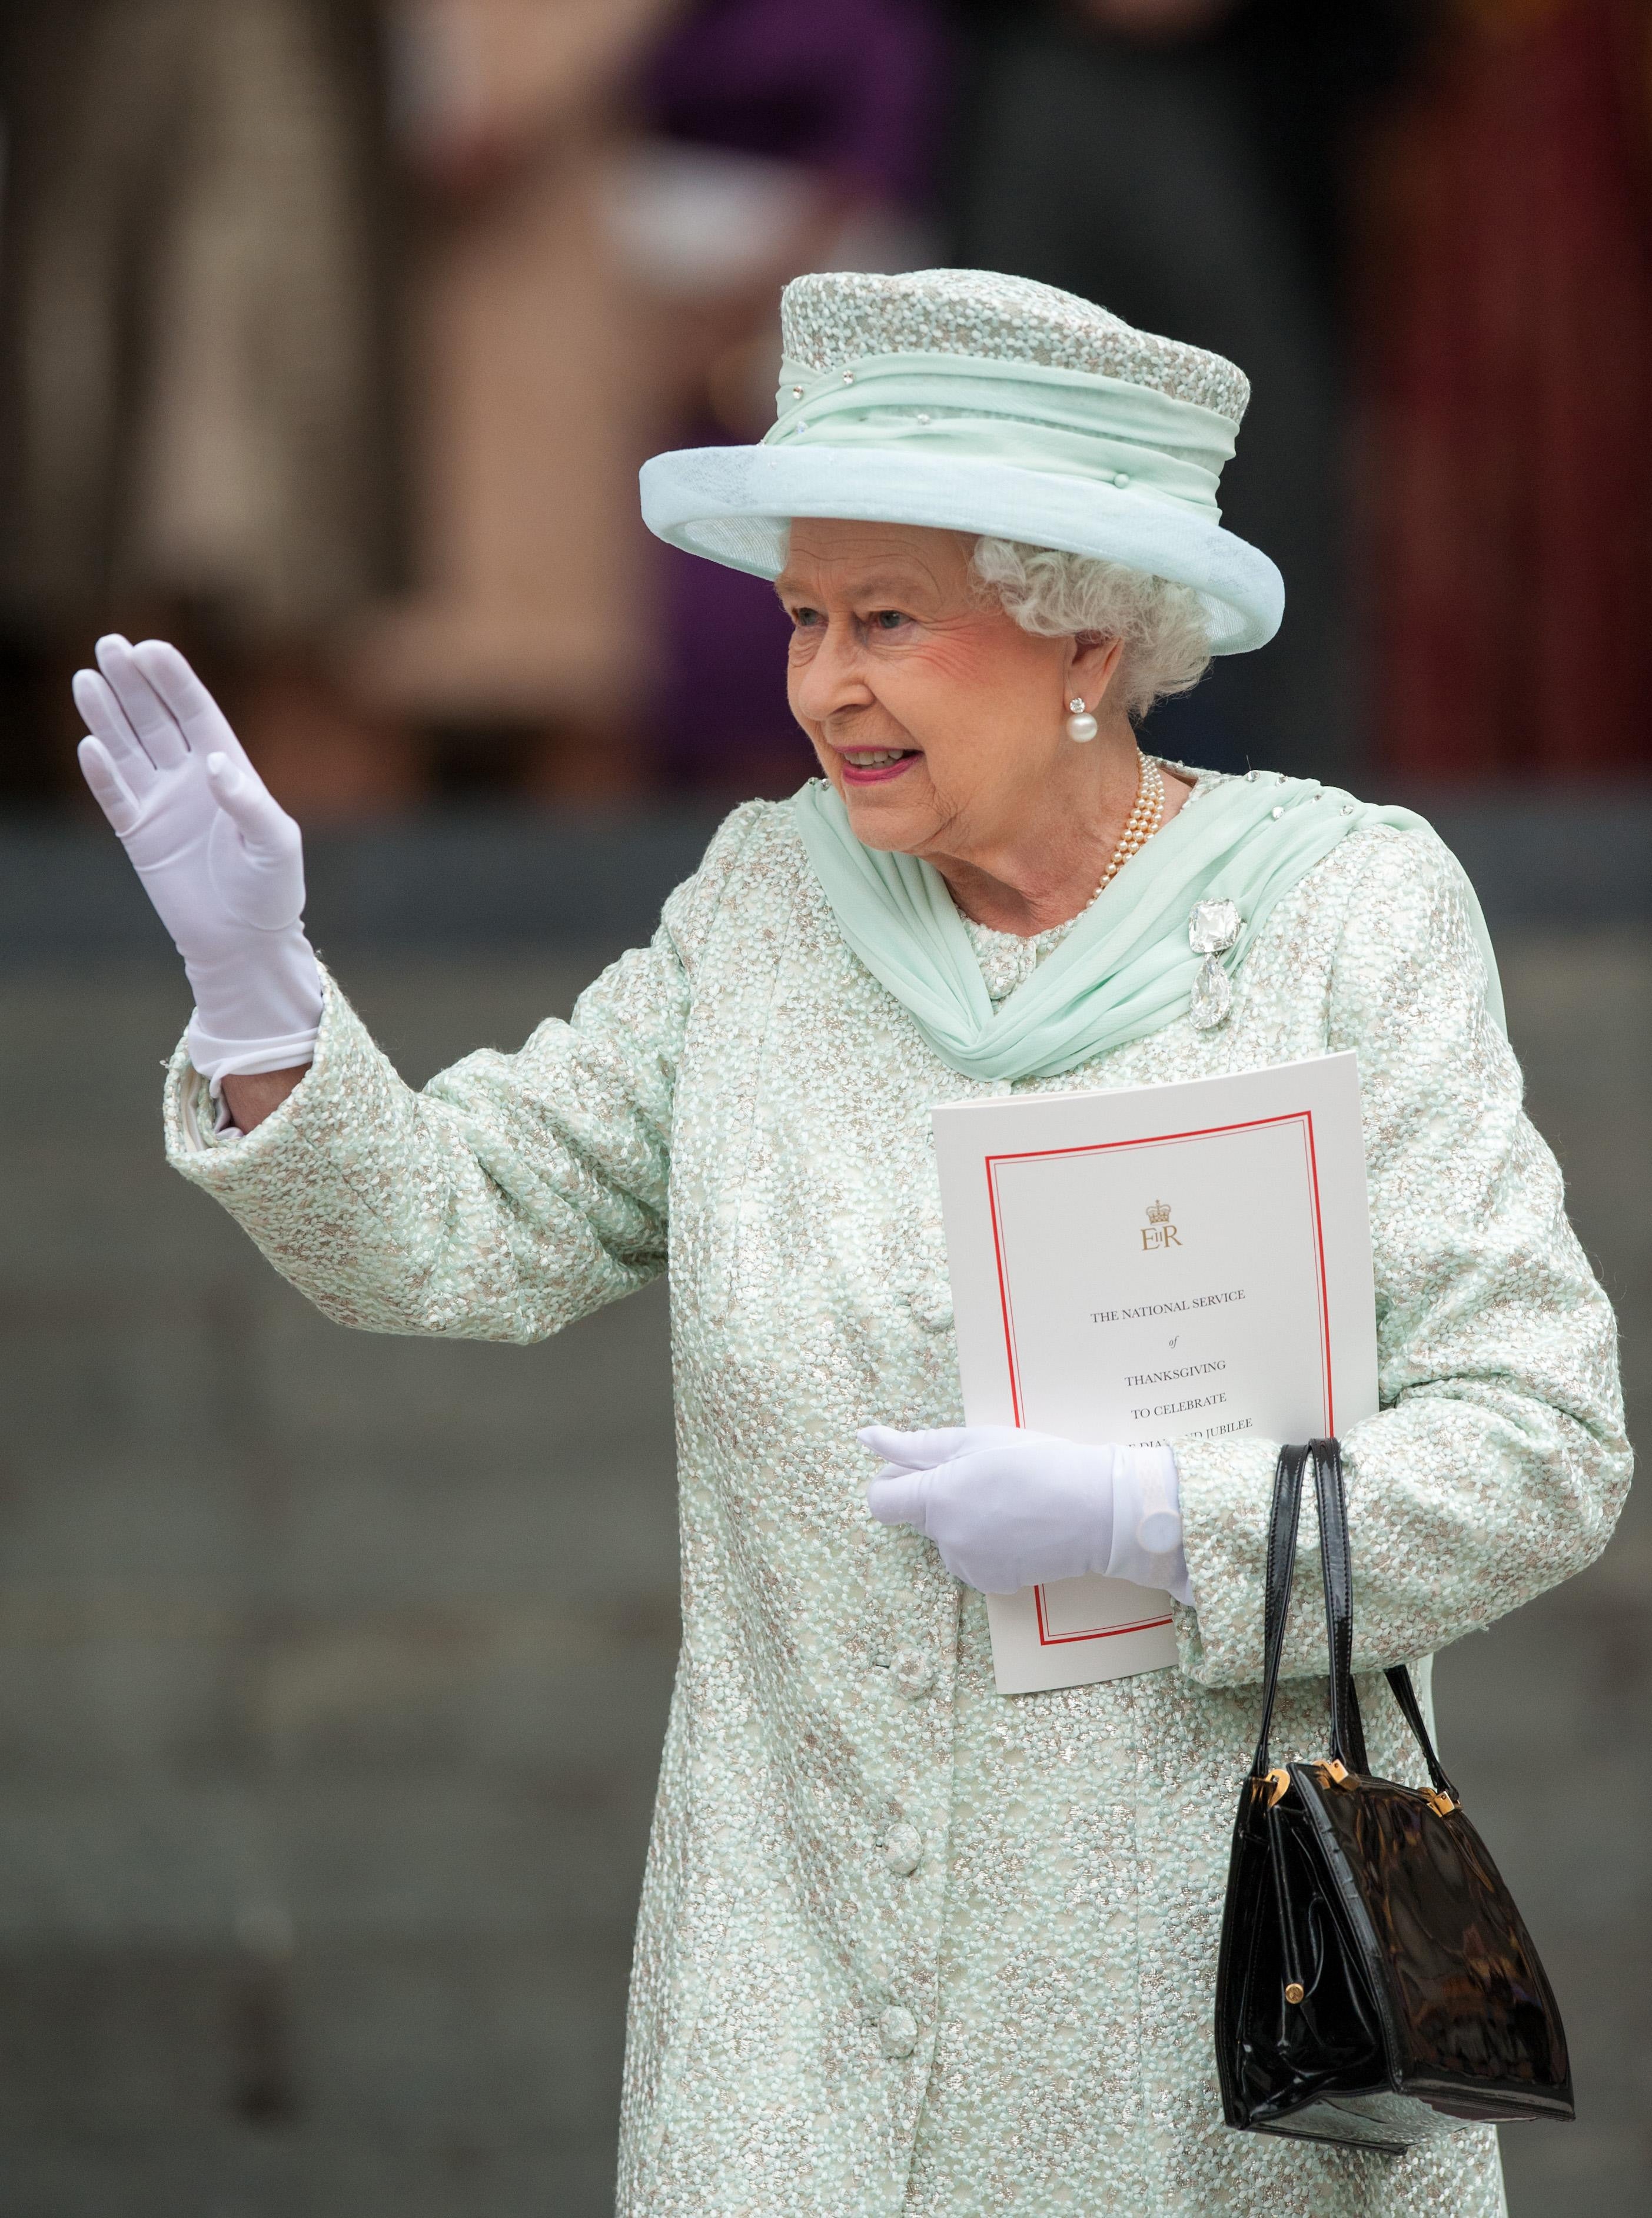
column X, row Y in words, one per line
column 1144, row 819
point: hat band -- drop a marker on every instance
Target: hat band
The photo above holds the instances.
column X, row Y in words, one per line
column 1065, row 422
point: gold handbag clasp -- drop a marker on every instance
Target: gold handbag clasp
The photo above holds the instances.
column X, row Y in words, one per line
column 1274, row 1786
column 1332, row 1773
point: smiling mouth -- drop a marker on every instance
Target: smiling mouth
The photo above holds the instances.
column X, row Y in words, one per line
column 870, row 766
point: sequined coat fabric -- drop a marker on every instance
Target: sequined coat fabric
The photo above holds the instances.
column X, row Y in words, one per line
column 907, row 1945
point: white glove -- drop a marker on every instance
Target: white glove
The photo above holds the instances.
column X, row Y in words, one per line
column 218, row 856
column 1008, row 1509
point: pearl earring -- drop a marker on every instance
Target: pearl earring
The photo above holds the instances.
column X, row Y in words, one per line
column 1080, row 725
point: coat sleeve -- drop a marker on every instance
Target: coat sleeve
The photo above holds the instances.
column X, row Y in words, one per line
column 1497, row 1464
column 514, row 1195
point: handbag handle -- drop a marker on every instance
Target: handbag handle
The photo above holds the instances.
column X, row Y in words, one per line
column 1336, row 1565
column 1336, row 1559
column 1283, row 1521
column 1346, row 1729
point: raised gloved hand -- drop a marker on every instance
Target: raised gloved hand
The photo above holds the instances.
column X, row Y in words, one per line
column 218, row 856
column 1009, row 1509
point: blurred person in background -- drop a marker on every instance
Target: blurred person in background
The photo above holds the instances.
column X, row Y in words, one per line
column 513, row 642
column 198, row 363
column 907, row 1945
column 776, row 139
column 1189, row 162
column 612, row 195
column 1506, row 361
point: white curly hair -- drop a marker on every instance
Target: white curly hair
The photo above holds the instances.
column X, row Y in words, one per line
column 1165, row 631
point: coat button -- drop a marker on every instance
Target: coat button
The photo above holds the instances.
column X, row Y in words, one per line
column 897, row 2032
column 914, row 1672
column 903, row 1849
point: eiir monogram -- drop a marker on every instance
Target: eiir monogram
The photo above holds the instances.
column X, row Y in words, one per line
column 1159, row 1231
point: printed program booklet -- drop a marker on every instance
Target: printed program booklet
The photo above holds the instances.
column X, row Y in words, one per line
column 1159, row 1263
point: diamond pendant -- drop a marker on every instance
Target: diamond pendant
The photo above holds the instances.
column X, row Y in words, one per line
column 1212, row 997
column 1213, row 926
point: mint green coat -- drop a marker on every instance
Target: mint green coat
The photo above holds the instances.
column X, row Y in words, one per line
column 908, row 1946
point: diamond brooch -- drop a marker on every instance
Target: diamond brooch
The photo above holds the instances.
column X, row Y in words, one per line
column 1213, row 926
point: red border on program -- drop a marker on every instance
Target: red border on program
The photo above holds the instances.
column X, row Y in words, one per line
column 1302, row 1117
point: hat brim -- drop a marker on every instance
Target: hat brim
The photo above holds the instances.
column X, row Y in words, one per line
column 735, row 506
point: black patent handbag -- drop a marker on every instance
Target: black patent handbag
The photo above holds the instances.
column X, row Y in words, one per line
column 1376, row 1986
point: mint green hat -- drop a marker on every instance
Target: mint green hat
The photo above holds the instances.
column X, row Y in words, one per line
column 977, row 402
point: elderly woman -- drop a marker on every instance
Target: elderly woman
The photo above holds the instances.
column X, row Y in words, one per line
column 905, row 1945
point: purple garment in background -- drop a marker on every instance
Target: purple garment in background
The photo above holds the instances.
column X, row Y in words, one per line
column 856, row 89
column 723, row 719
column 851, row 87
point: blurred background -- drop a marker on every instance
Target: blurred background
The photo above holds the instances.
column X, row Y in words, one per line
column 333, row 1670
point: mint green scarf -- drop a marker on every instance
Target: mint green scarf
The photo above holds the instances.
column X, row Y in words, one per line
column 1125, row 969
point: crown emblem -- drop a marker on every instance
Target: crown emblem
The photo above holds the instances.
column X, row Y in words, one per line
column 1158, row 1212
